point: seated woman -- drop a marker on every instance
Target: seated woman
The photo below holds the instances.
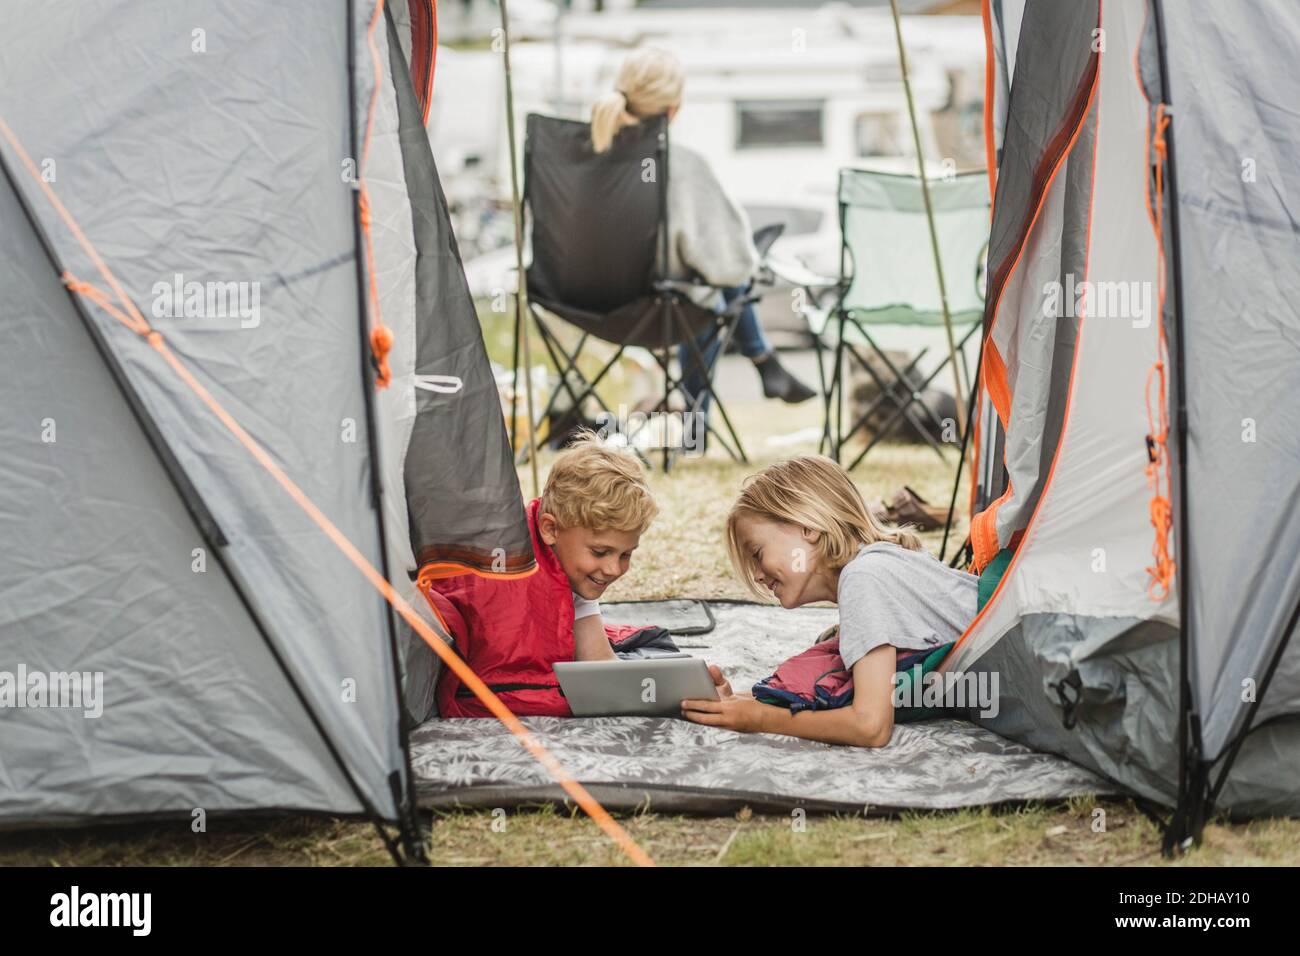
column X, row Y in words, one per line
column 801, row 532
column 710, row 234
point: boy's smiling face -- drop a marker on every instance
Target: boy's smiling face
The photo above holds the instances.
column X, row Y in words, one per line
column 591, row 560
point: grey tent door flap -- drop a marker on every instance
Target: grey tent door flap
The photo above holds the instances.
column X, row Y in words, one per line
column 206, row 169
column 181, row 706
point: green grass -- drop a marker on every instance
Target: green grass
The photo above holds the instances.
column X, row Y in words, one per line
column 1039, row 835
column 683, row 554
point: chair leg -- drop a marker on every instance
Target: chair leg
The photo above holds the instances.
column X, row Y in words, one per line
column 678, row 384
column 571, row 366
column 904, row 402
column 888, row 392
column 545, row 333
column 902, row 410
column 666, row 315
column 887, row 389
column 903, row 383
column 697, row 357
column 838, row 388
column 824, row 442
column 934, row 419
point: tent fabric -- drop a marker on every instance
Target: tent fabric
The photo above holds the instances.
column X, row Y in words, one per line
column 1004, row 19
column 678, row 766
column 1088, row 549
column 392, row 238
column 1081, row 566
column 1089, row 652
column 1039, row 238
column 246, row 663
column 124, row 173
column 416, row 25
column 98, row 573
column 396, row 192
column 465, row 505
column 1238, row 193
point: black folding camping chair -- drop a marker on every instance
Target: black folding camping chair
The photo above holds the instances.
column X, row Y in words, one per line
column 889, row 287
column 599, row 229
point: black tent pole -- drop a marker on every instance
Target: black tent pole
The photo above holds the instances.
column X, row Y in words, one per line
column 409, row 827
column 1187, row 819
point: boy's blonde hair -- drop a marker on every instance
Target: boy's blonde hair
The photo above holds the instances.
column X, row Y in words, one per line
column 649, row 82
column 812, row 492
column 598, row 487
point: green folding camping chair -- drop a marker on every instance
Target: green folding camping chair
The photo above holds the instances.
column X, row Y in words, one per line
column 890, row 300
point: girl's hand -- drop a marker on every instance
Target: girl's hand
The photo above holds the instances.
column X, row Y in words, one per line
column 742, row 714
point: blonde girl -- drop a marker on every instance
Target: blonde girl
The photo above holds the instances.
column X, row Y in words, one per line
column 800, row 532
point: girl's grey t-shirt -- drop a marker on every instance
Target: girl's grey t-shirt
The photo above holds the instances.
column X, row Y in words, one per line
column 890, row 595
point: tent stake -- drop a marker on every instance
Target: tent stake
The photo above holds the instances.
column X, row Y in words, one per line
column 929, row 215
column 521, row 294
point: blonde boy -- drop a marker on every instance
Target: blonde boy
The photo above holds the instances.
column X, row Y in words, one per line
column 593, row 511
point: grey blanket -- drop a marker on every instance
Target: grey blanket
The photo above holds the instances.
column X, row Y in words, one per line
column 675, row 766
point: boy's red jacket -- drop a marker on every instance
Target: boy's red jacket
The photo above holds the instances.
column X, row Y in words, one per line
column 509, row 631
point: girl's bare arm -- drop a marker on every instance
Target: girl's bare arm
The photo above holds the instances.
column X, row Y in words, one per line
column 869, row 722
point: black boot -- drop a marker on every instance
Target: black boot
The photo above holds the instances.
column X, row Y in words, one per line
column 778, row 383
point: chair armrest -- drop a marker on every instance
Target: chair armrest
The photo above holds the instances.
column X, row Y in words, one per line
column 796, row 273
column 678, row 286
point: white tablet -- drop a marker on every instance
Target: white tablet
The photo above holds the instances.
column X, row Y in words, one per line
column 654, row 687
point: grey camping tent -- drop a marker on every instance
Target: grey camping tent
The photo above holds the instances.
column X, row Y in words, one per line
column 1137, row 489
column 176, row 633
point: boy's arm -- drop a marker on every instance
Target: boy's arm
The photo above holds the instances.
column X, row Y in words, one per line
column 589, row 640
column 869, row 722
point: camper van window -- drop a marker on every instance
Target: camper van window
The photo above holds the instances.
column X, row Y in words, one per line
column 881, row 134
column 778, row 123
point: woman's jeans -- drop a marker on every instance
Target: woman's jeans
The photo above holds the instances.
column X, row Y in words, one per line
column 748, row 336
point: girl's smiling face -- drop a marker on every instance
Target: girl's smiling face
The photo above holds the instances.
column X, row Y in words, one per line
column 784, row 559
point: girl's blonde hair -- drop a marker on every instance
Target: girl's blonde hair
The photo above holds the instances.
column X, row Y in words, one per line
column 812, row 492
column 649, row 83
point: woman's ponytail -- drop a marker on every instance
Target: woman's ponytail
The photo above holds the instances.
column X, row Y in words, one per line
column 649, row 83
column 608, row 116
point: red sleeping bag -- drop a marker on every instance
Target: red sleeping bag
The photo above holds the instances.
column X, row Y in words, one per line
column 511, row 630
